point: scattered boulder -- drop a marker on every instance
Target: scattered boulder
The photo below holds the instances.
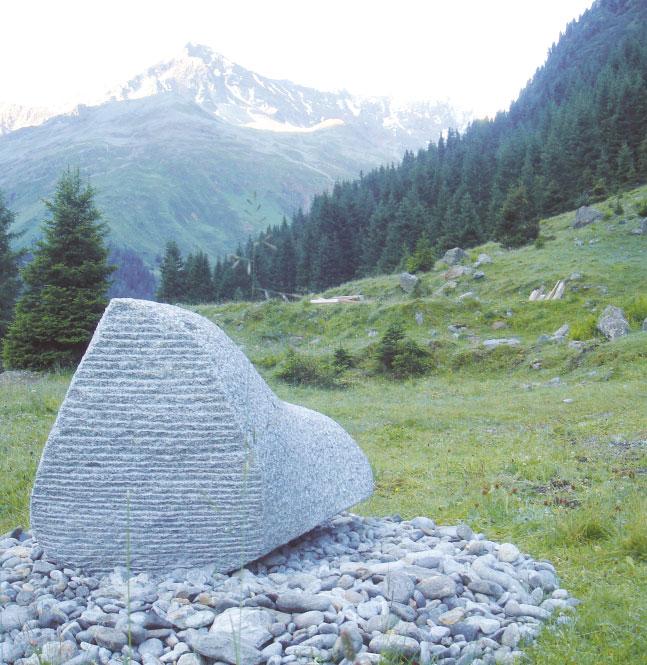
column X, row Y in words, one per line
column 454, row 256
column 457, row 328
column 457, row 271
column 556, row 293
column 586, row 215
column 644, row 327
column 447, row 286
column 537, row 294
column 419, row 316
column 558, row 336
column 482, row 260
column 499, row 325
column 641, row 229
column 479, row 274
column 503, row 341
column 613, row 324
column 408, row 282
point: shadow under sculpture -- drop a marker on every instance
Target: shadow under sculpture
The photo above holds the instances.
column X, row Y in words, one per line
column 169, row 438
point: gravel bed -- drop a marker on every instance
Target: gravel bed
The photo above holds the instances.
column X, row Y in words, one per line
column 347, row 591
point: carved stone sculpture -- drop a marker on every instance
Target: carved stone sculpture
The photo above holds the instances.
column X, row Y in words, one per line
column 170, row 451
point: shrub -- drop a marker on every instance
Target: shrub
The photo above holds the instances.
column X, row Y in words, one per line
column 423, row 257
column 599, row 188
column 399, row 356
column 617, row 206
column 342, row 359
column 641, row 207
column 268, row 361
column 585, row 328
column 636, row 309
column 410, row 360
column 301, row 370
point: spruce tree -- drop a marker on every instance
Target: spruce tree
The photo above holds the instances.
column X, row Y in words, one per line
column 172, row 286
column 9, row 281
column 65, row 283
column 198, row 279
column 516, row 225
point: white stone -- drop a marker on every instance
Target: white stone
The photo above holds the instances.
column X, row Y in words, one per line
column 508, row 552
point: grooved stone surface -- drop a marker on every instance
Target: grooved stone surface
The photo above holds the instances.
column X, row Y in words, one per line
column 166, row 410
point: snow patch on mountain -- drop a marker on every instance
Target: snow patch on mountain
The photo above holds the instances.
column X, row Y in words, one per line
column 247, row 99
column 16, row 116
column 267, row 124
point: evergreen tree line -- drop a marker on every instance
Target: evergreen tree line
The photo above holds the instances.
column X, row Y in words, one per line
column 194, row 281
column 577, row 132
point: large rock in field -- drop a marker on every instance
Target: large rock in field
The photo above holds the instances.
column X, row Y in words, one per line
column 586, row 215
column 454, row 256
column 408, row 282
column 612, row 323
column 457, row 271
column 170, row 440
column 641, row 229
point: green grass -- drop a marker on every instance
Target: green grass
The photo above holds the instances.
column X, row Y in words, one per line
column 484, row 437
column 28, row 407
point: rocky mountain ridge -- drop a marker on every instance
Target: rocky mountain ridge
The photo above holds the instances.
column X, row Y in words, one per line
column 175, row 152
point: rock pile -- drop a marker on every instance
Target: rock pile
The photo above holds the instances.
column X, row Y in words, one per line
column 347, row 591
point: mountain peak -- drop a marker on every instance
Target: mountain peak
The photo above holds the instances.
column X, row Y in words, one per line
column 240, row 97
column 206, row 54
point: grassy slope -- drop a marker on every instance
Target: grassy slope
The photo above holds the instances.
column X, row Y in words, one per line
column 164, row 169
column 483, row 438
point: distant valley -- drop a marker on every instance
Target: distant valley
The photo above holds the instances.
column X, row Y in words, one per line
column 175, row 152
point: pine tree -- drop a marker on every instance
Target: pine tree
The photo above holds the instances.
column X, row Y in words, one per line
column 516, row 226
column 172, row 286
column 625, row 173
column 65, row 283
column 423, row 257
column 9, row 281
column 199, row 282
column 642, row 160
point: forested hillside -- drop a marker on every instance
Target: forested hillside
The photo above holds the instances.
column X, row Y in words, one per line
column 577, row 132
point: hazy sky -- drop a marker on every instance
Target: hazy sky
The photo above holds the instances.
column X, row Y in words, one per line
column 477, row 53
